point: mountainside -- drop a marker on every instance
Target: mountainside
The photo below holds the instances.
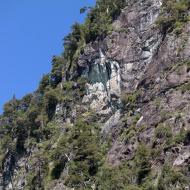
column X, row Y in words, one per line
column 114, row 113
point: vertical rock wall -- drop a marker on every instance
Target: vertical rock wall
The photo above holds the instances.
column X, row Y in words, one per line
column 104, row 85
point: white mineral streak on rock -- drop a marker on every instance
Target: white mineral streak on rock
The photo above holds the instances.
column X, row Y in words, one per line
column 115, row 80
column 99, row 94
column 139, row 121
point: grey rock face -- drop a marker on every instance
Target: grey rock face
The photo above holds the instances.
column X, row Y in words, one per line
column 127, row 53
column 135, row 47
column 111, row 122
column 104, row 88
column 119, row 62
column 183, row 157
column 9, row 166
column 147, row 61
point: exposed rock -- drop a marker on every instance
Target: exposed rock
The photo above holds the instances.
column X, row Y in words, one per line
column 111, row 122
column 184, row 157
column 104, row 88
column 120, row 152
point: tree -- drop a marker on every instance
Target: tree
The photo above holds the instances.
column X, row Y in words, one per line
column 50, row 102
column 79, row 151
column 142, row 162
column 56, row 72
column 45, row 81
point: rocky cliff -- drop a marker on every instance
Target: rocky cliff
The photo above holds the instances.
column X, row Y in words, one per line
column 131, row 90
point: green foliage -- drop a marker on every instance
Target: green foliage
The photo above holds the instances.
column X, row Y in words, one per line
column 50, row 102
column 85, row 146
column 163, row 138
column 68, row 85
column 56, row 72
column 79, row 150
column 36, row 177
column 25, row 102
column 133, row 187
column 72, row 43
column 81, row 84
column 44, row 83
column 16, row 128
column 130, row 99
column 11, row 107
column 182, row 137
column 163, row 131
column 142, row 162
column 6, row 143
column 100, row 18
column 171, row 179
column 128, row 133
column 113, row 178
column 174, row 15
column 21, row 132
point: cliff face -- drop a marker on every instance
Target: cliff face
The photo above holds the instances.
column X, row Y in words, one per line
column 138, row 89
column 118, row 63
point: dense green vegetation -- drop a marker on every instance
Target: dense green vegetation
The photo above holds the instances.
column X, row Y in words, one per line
column 171, row 179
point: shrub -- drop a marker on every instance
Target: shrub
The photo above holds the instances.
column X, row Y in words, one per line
column 44, row 83
column 130, row 99
column 128, row 133
column 163, row 131
column 67, row 85
column 171, row 179
column 100, row 18
column 142, row 162
column 132, row 187
column 80, row 146
column 50, row 101
column 174, row 15
column 183, row 137
column 163, row 135
column 56, row 72
column 113, row 178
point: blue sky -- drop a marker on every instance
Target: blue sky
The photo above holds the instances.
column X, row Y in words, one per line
column 31, row 32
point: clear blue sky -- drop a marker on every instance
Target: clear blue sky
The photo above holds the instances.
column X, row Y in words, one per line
column 31, row 32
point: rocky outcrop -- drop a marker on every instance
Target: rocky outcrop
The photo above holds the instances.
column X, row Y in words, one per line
column 121, row 59
column 147, row 61
column 104, row 86
column 8, row 166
